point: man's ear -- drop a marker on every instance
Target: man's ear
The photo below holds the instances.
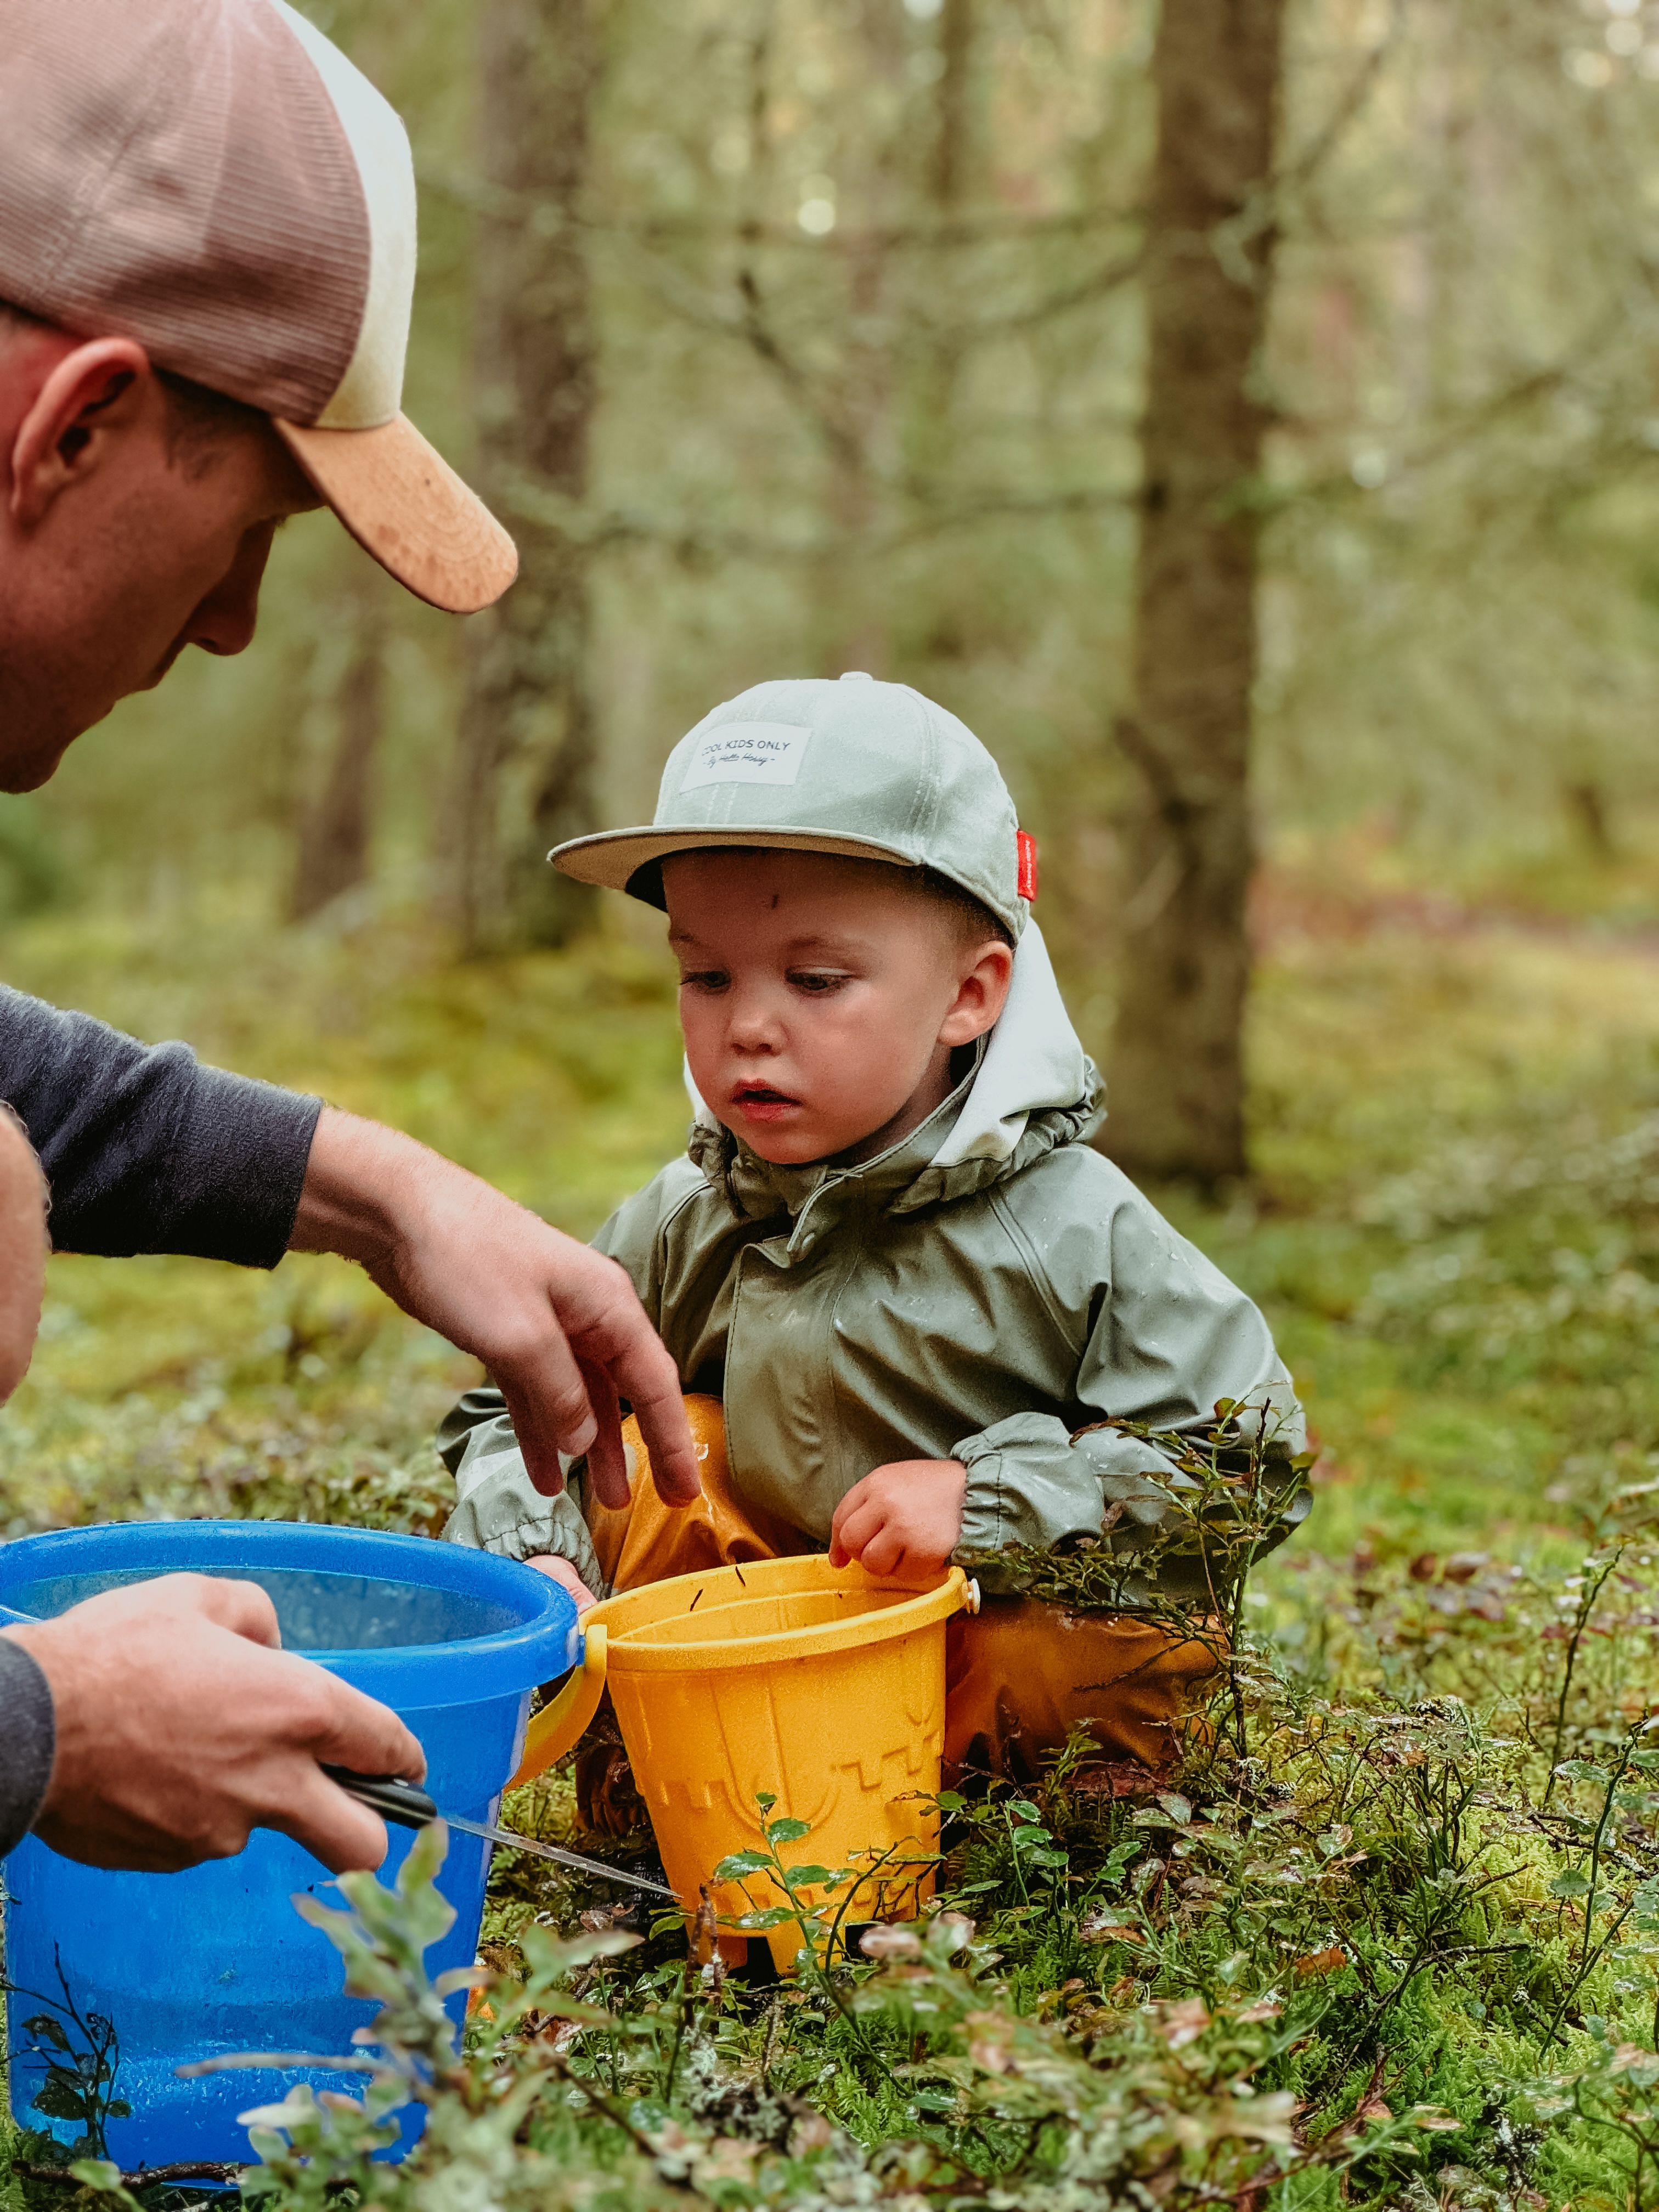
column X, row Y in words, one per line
column 981, row 996
column 91, row 397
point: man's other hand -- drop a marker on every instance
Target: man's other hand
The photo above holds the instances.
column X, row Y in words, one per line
column 22, row 1252
column 182, row 1726
column 556, row 1323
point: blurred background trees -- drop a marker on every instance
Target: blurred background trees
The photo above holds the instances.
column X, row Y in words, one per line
column 794, row 335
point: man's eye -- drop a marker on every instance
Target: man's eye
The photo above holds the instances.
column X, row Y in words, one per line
column 705, row 979
column 817, row 982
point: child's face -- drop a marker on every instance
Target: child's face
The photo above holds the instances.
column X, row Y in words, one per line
column 821, row 998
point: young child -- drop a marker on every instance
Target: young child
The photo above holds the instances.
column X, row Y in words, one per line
column 890, row 1253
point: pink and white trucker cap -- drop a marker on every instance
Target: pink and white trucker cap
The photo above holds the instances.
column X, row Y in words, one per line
column 214, row 180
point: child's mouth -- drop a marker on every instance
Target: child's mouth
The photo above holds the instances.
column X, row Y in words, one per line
column 759, row 1102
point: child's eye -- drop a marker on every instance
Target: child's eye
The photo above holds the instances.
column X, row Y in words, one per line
column 705, row 979
column 818, row 982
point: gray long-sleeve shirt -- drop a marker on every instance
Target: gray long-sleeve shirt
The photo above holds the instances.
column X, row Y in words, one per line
column 144, row 1149
column 147, row 1150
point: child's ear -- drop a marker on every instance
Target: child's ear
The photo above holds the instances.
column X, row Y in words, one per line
column 981, row 995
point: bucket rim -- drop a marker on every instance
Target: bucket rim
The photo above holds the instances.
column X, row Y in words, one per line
column 543, row 1643
column 823, row 1639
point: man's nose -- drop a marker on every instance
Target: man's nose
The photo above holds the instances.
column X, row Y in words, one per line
column 224, row 621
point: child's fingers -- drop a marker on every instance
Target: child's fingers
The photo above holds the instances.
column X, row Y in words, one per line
column 850, row 1505
column 561, row 1571
column 855, row 1531
column 884, row 1552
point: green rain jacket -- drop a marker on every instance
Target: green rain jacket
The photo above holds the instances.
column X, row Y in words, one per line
column 984, row 1290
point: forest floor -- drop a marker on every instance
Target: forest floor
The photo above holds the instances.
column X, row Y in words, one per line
column 1376, row 1951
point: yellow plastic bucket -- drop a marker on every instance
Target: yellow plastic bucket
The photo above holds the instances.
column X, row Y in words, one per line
column 822, row 1688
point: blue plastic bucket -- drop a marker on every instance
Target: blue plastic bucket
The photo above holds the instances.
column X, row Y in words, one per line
column 185, row 1967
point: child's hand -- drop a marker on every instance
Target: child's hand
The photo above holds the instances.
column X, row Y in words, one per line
column 906, row 1516
column 561, row 1571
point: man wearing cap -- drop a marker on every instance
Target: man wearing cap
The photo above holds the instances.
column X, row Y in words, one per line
column 207, row 254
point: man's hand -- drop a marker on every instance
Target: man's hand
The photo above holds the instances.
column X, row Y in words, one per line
column 905, row 1517
column 557, row 1324
column 561, row 1571
column 181, row 1726
column 22, row 1252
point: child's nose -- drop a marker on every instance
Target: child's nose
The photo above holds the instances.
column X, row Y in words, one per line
column 753, row 1025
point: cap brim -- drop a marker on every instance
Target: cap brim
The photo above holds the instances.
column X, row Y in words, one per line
column 404, row 503
column 614, row 857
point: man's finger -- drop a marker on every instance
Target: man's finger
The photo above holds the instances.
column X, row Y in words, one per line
column 334, row 1827
column 548, row 1401
column 367, row 1736
column 607, row 1461
column 667, row 1437
column 639, row 1368
column 242, row 1607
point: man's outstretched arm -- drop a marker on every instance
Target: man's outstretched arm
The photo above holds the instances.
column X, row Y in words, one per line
column 557, row 1324
column 147, row 1150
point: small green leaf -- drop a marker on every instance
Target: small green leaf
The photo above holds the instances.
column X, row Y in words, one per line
column 738, row 1863
column 786, row 1831
column 806, row 1877
column 772, row 1917
column 1023, row 1809
column 60, row 2097
column 1569, row 1884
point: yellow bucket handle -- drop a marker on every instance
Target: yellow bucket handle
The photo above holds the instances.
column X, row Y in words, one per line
column 553, row 1729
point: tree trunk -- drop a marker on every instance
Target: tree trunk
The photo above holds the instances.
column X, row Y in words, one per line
column 1177, row 1060
column 335, row 829
column 528, row 764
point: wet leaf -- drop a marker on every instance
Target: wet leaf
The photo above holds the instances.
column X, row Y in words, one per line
column 738, row 1863
column 60, row 2097
column 1318, row 1963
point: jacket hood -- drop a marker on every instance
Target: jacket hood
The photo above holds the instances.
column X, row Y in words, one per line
column 1032, row 1087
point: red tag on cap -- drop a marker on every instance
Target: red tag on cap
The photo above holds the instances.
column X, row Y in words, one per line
column 1025, row 845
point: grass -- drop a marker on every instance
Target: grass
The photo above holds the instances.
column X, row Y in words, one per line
column 1411, row 1935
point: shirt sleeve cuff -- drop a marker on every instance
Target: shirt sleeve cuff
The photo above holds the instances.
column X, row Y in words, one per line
column 28, row 1742
column 240, row 1168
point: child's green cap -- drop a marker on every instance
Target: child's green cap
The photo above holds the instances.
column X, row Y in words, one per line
column 873, row 770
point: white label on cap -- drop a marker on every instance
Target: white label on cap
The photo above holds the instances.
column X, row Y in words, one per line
column 747, row 753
